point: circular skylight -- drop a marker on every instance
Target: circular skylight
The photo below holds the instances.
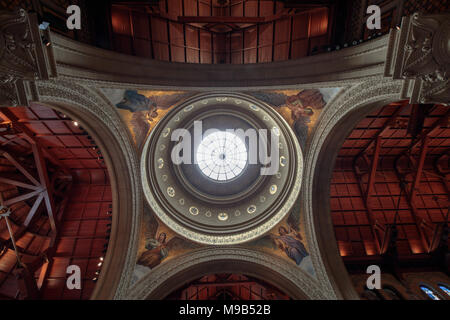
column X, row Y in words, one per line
column 222, row 156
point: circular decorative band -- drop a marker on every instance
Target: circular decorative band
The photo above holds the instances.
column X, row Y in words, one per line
column 234, row 206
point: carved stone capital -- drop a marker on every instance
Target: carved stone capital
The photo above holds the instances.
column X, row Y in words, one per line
column 23, row 57
column 419, row 53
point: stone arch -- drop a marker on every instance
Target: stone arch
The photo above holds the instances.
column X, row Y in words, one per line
column 335, row 123
column 179, row 271
column 100, row 119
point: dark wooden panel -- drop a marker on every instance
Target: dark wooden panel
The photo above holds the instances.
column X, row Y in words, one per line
column 236, row 48
column 176, row 42
column 237, row 8
column 175, row 7
column 142, row 48
column 141, row 28
column 204, row 8
column 122, row 43
column 319, row 23
column 205, row 47
column 266, row 8
column 120, row 21
column 190, row 8
column 192, row 51
column 299, row 48
column 251, row 8
column 300, row 27
column 281, row 52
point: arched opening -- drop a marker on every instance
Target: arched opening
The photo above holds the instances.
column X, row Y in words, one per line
column 389, row 194
column 181, row 272
column 429, row 293
column 445, row 289
column 228, row 287
column 391, row 293
column 55, row 189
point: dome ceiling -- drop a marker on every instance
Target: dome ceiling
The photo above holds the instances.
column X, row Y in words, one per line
column 219, row 194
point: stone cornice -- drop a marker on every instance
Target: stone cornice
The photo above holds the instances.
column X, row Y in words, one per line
column 106, row 68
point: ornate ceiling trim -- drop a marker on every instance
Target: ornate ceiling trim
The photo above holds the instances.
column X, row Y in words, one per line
column 92, row 109
column 419, row 53
column 23, row 57
column 171, row 200
column 276, row 271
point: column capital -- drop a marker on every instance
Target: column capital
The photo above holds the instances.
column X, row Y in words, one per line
column 419, row 53
column 24, row 58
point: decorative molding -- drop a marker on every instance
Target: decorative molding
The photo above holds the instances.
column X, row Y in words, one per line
column 165, row 206
column 23, row 57
column 419, row 54
column 102, row 68
column 300, row 283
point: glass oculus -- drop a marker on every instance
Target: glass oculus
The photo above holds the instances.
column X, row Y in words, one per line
column 222, row 156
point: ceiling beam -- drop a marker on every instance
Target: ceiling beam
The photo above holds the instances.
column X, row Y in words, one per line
column 220, row 19
column 389, row 123
column 373, row 169
column 423, row 154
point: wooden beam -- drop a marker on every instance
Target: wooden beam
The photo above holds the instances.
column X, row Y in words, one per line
column 33, row 210
column 386, row 126
column 45, row 182
column 423, row 154
column 220, row 19
column 442, row 122
column 373, row 169
column 22, row 197
column 19, row 184
column 414, row 211
column 369, row 213
column 30, row 136
column 20, row 168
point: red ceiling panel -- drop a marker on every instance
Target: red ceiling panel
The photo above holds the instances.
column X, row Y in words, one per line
column 388, row 202
column 172, row 39
column 85, row 224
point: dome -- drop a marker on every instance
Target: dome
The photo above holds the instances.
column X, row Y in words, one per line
column 221, row 168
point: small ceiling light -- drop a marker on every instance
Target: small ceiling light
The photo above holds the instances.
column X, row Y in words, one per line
column 44, row 25
column 100, row 264
column 76, row 124
column 101, row 258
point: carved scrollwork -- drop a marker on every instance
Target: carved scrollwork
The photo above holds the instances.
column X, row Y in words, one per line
column 23, row 58
column 419, row 53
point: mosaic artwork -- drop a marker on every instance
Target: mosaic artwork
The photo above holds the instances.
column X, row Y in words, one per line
column 288, row 241
column 300, row 108
column 142, row 110
column 158, row 244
